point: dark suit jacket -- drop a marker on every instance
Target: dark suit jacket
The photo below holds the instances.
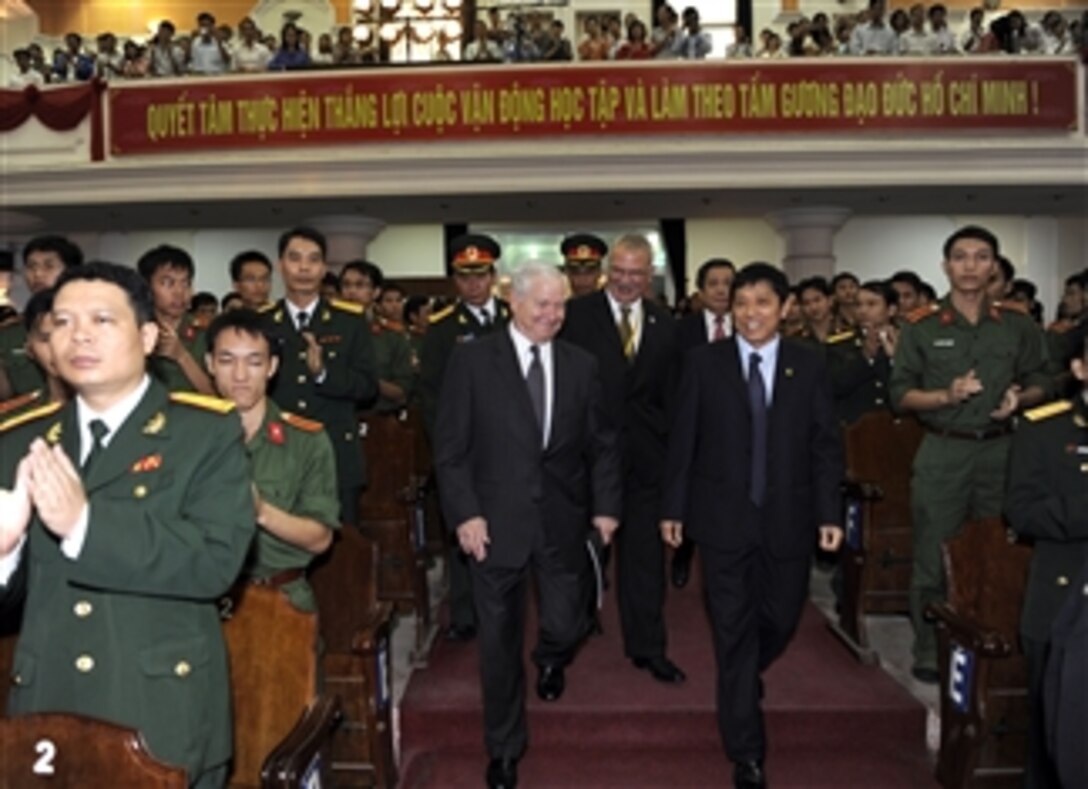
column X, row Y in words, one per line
column 691, row 331
column 129, row 632
column 490, row 462
column 637, row 396
column 708, row 472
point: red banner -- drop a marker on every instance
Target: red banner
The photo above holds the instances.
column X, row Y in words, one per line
column 823, row 96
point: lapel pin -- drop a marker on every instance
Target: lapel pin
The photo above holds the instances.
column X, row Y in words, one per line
column 789, row 372
column 53, row 436
column 155, row 424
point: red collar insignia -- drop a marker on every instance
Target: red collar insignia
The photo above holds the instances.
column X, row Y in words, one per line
column 276, row 434
column 947, row 317
column 149, row 463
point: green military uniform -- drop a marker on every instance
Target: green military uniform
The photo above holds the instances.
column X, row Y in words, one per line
column 1047, row 502
column 129, row 631
column 167, row 370
column 860, row 384
column 415, row 344
column 455, row 324
column 392, row 361
column 23, row 374
column 959, row 471
column 349, row 384
column 294, row 470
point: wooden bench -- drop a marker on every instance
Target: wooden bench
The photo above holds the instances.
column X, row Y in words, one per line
column 72, row 752
column 390, row 513
column 984, row 715
column 357, row 662
column 282, row 728
column 878, row 549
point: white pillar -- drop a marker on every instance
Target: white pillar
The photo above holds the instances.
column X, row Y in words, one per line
column 809, row 234
column 347, row 235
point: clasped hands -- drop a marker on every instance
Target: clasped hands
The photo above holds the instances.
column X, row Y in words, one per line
column 967, row 386
column 45, row 480
column 474, row 539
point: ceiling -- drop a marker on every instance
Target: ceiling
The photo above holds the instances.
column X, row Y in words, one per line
column 564, row 208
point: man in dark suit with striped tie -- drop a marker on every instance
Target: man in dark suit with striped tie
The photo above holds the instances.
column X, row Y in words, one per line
column 713, row 322
column 753, row 474
column 526, row 461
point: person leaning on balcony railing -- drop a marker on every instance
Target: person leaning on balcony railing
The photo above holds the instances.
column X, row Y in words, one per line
column 291, row 53
column 944, row 40
column 250, row 53
column 109, row 60
column 482, row 48
column 166, row 57
column 558, row 47
column 874, row 37
column 208, row 53
column 26, row 74
column 667, row 34
column 134, row 63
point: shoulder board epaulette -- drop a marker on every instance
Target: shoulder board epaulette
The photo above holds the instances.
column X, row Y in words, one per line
column 840, row 337
column 19, row 401
column 376, row 327
column 30, row 416
column 1060, row 327
column 302, row 423
column 1011, row 306
column 916, row 315
column 442, row 314
column 207, row 402
column 347, row 306
column 1046, row 411
column 267, row 307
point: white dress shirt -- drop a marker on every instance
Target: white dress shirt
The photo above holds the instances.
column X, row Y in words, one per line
column 768, row 361
column 712, row 324
column 523, row 348
column 634, row 318
column 478, row 312
column 293, row 310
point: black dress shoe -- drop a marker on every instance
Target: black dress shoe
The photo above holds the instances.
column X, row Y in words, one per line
column 928, row 676
column 662, row 669
column 681, row 564
column 749, row 775
column 550, row 683
column 460, row 633
column 502, row 774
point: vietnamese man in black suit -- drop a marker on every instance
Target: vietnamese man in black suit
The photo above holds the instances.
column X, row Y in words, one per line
column 753, row 476
column 634, row 342
column 526, row 461
column 711, row 323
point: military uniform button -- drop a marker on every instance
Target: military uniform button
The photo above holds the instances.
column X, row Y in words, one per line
column 17, row 679
column 879, row 384
column 302, row 379
column 302, row 356
column 1063, row 580
column 183, row 669
column 84, row 664
column 349, row 437
column 301, row 405
column 83, row 609
column 879, row 401
column 139, row 491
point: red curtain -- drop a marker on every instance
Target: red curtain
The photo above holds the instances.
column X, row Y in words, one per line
column 59, row 109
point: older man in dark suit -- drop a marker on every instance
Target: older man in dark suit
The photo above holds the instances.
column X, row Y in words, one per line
column 753, row 475
column 526, row 460
column 634, row 341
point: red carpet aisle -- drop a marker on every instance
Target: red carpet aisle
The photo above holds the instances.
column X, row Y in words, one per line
column 831, row 722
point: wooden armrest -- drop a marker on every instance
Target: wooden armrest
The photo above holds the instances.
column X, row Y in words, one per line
column 860, row 489
column 409, row 494
column 969, row 633
column 301, row 750
column 363, row 642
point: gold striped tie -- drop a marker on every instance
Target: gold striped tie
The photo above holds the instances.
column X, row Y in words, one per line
column 627, row 333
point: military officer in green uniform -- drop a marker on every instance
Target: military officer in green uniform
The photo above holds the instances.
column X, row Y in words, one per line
column 294, row 469
column 966, row 366
column 251, row 277
column 127, row 513
column 860, row 361
column 44, row 260
column 1047, row 502
column 38, row 321
column 179, row 355
column 476, row 312
column 392, row 349
column 326, row 359
column 582, row 256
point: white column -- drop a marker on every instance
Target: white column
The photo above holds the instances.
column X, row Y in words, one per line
column 809, row 235
column 348, row 236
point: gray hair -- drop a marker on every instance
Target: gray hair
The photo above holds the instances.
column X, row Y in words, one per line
column 636, row 242
column 528, row 273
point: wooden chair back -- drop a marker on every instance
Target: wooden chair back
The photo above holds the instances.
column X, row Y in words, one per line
column 72, row 752
column 273, row 672
column 391, row 445
column 880, row 449
column 344, row 580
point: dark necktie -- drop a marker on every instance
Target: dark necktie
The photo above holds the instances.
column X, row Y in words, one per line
column 303, row 320
column 535, row 380
column 485, row 317
column 627, row 333
column 757, row 401
column 99, row 431
column 719, row 328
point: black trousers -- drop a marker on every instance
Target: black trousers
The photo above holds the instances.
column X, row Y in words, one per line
column 500, row 594
column 349, row 504
column 462, row 608
column 1040, row 771
column 755, row 602
column 640, row 573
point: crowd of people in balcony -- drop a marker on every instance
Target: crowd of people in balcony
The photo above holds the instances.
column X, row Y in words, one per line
column 213, row 48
